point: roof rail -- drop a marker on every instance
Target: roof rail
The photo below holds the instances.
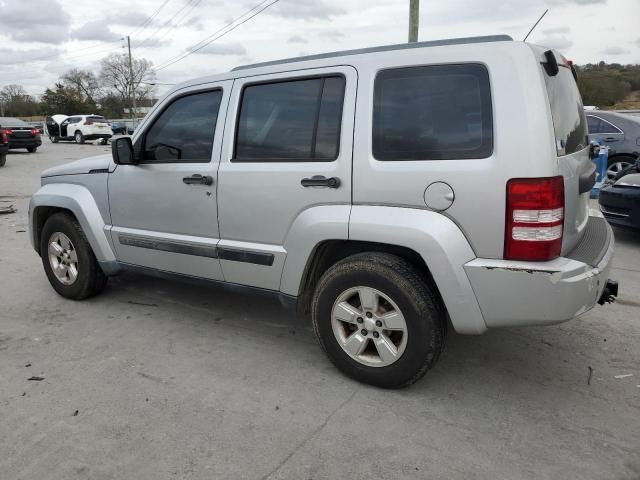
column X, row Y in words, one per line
column 384, row 48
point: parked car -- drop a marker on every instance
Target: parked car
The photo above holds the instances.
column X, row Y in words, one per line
column 620, row 200
column 621, row 133
column 4, row 146
column 77, row 128
column 120, row 128
column 384, row 190
column 20, row 134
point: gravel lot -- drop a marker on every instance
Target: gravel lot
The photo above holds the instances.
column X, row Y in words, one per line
column 159, row 379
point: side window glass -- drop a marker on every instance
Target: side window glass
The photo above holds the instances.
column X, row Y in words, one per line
column 436, row 112
column 184, row 131
column 593, row 123
column 290, row 121
column 606, row 127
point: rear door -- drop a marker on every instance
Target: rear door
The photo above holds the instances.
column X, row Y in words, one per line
column 288, row 149
column 574, row 164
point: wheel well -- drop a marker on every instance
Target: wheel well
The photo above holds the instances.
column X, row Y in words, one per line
column 328, row 253
column 40, row 216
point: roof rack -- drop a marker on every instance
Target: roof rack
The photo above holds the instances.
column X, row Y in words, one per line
column 384, row 48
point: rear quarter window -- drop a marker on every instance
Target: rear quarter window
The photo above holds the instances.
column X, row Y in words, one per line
column 435, row 112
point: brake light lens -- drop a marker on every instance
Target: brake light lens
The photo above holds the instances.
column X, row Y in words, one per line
column 534, row 219
column 35, row 131
column 8, row 131
column 3, row 136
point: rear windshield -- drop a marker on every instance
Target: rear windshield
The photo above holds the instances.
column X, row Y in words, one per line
column 98, row 119
column 567, row 112
column 12, row 122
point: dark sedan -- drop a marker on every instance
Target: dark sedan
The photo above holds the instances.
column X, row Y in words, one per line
column 20, row 134
column 620, row 202
column 621, row 133
column 120, row 128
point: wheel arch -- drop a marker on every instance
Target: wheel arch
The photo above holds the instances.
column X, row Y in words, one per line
column 429, row 240
column 78, row 202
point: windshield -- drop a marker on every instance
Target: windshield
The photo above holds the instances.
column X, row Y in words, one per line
column 567, row 112
column 97, row 119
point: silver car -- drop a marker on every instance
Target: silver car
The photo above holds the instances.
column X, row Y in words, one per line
column 384, row 191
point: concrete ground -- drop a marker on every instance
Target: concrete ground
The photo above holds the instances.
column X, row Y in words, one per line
column 158, row 379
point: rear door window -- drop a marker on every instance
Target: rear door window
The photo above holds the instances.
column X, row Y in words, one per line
column 436, row 112
column 567, row 112
column 290, row 121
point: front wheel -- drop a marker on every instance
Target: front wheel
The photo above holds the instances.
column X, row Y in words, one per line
column 32, row 149
column 378, row 319
column 67, row 258
column 79, row 137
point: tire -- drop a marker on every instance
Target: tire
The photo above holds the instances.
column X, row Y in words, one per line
column 617, row 164
column 90, row 279
column 79, row 137
column 396, row 280
column 32, row 149
column 54, row 139
column 3, row 160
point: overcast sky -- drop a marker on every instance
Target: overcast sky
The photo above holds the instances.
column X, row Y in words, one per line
column 40, row 39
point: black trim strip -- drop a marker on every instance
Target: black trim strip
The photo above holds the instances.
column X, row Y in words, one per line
column 223, row 253
column 99, row 170
column 164, row 246
column 246, row 256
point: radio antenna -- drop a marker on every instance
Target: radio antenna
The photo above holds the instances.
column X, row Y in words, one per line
column 535, row 25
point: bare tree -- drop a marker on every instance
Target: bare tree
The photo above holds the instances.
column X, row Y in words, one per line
column 85, row 82
column 115, row 76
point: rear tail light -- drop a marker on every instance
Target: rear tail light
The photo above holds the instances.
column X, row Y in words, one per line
column 3, row 136
column 8, row 131
column 35, row 131
column 534, row 219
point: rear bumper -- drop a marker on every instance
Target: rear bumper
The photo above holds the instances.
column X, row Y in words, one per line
column 96, row 136
column 25, row 142
column 540, row 293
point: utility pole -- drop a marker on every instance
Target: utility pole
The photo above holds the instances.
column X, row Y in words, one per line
column 414, row 20
column 133, row 89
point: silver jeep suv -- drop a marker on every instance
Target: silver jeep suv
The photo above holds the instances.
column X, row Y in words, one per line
column 383, row 190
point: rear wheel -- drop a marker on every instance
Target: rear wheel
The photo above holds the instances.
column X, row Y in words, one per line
column 32, row 149
column 79, row 137
column 54, row 139
column 378, row 320
column 3, row 160
column 67, row 258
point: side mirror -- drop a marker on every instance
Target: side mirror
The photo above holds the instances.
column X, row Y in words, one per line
column 122, row 151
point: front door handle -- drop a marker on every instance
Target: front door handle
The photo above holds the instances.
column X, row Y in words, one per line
column 320, row 181
column 197, row 179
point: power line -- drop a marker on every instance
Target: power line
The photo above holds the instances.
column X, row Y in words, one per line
column 179, row 22
column 148, row 21
column 161, row 27
column 216, row 35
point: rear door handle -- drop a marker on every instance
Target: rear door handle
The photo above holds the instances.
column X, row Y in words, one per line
column 197, row 179
column 320, row 181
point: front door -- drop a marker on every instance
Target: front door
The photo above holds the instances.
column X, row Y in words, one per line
column 286, row 156
column 164, row 210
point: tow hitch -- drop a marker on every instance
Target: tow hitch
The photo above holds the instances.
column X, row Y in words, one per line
column 609, row 293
